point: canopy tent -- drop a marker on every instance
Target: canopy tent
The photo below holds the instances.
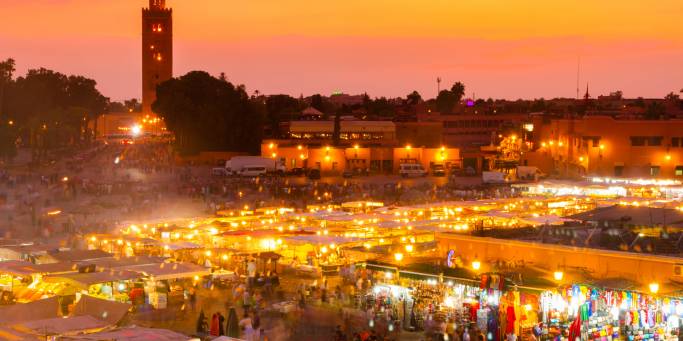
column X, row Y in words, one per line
column 85, row 280
column 175, row 246
column 37, row 310
column 16, row 268
column 60, row 326
column 123, row 263
column 78, row 255
column 165, row 271
column 111, row 312
column 632, row 215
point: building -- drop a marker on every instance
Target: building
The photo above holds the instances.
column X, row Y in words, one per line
column 157, row 50
column 470, row 129
column 607, row 146
column 364, row 145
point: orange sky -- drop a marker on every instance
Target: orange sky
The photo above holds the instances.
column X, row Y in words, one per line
column 498, row 48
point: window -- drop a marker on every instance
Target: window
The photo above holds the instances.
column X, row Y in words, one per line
column 679, row 171
column 675, row 142
column 618, row 170
column 654, row 141
column 654, row 170
column 158, row 28
column 637, row 141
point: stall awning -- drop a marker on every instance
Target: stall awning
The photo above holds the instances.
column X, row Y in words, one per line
column 85, row 280
column 165, row 271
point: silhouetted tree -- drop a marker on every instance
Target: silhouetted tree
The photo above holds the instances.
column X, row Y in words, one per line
column 207, row 113
column 413, row 98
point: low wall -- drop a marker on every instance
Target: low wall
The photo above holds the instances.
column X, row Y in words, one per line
column 601, row 264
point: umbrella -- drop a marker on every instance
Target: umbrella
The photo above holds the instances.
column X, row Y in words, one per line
column 232, row 325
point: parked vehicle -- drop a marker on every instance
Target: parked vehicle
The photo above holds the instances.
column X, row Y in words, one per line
column 529, row 173
column 411, row 170
column 314, row 174
column 347, row 174
column 438, row 170
column 237, row 164
column 253, row 171
column 297, row 172
column 219, row 171
column 493, row 177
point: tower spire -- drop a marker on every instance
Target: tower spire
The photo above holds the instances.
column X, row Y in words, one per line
column 157, row 4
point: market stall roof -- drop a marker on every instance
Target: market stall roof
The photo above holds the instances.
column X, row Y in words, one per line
column 262, row 255
column 182, row 245
column 315, row 239
column 131, row 334
column 16, row 268
column 111, row 312
column 53, row 268
column 117, row 263
column 36, row 310
column 84, row 280
column 548, row 219
column 170, row 270
column 647, row 216
column 59, row 325
column 79, row 255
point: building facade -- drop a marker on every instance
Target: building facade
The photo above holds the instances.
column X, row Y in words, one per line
column 157, row 50
column 472, row 130
column 605, row 146
column 364, row 146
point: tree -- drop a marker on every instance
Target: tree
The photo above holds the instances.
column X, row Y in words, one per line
column 445, row 102
column 617, row 94
column 655, row 111
column 6, row 71
column 317, row 102
column 280, row 108
column 413, row 98
column 458, row 90
column 207, row 113
column 671, row 96
column 133, row 105
column 82, row 93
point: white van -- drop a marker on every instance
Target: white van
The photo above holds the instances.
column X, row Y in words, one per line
column 253, row 171
column 411, row 169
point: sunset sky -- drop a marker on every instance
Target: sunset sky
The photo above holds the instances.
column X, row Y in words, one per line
column 498, row 48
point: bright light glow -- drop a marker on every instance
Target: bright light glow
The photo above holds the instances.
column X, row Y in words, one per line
column 409, row 248
column 388, row 275
column 668, row 157
column 323, row 250
column 558, row 275
column 476, row 265
column 602, row 146
column 136, row 130
column 529, row 127
column 581, row 158
column 398, row 257
column 654, row 287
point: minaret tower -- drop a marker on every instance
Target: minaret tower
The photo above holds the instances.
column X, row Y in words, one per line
column 157, row 50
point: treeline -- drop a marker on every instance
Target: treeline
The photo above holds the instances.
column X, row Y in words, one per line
column 45, row 109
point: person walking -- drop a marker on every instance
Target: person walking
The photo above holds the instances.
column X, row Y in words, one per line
column 221, row 329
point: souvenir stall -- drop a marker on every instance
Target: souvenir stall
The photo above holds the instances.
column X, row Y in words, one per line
column 603, row 314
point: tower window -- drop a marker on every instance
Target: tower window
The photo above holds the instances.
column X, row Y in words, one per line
column 151, row 47
column 157, row 28
column 157, row 56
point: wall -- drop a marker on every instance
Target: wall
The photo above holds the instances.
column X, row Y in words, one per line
column 600, row 263
column 567, row 148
